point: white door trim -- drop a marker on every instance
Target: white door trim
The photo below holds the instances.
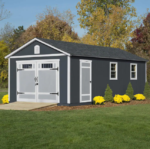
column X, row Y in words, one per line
column 90, row 62
column 9, row 79
column 36, row 74
column 68, row 80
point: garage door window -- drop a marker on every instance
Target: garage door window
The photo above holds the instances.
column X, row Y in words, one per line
column 26, row 66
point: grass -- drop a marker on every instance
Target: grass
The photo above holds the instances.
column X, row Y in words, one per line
column 125, row 127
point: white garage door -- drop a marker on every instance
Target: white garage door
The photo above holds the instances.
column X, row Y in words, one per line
column 38, row 81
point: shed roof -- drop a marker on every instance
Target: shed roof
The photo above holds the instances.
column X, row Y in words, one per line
column 83, row 50
column 77, row 49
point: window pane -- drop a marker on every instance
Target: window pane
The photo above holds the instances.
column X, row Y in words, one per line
column 133, row 68
column 113, row 66
column 47, row 65
column 133, row 74
column 26, row 66
column 113, row 74
column 86, row 64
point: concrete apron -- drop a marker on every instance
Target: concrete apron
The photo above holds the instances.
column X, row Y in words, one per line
column 25, row 106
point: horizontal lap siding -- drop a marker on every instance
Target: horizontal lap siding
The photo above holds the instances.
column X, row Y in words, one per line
column 63, row 76
column 100, row 77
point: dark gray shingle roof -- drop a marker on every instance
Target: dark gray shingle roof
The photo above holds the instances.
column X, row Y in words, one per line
column 76, row 49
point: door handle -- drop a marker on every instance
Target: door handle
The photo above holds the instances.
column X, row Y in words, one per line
column 36, row 83
column 54, row 93
column 90, row 81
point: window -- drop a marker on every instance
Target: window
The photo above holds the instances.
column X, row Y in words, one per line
column 47, row 65
column 133, row 71
column 26, row 66
column 113, row 70
column 37, row 49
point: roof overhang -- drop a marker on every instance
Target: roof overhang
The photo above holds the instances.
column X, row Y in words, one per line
column 35, row 39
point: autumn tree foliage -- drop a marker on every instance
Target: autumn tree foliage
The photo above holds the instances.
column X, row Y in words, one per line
column 3, row 64
column 140, row 43
column 86, row 8
column 112, row 30
column 51, row 24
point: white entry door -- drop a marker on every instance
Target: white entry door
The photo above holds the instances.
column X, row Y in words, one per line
column 38, row 81
column 85, row 81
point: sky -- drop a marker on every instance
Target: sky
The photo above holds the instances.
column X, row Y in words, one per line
column 24, row 12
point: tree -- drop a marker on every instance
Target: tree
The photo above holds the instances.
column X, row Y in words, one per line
column 13, row 40
column 140, row 43
column 108, row 94
column 3, row 12
column 6, row 33
column 110, row 31
column 130, row 91
column 3, row 64
column 86, row 8
column 147, row 91
column 50, row 25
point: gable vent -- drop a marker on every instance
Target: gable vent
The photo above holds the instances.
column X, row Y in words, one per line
column 37, row 49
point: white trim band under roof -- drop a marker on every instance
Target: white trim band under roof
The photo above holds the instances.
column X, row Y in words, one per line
column 44, row 55
column 35, row 39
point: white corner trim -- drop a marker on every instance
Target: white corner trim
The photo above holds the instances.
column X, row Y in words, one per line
column 135, row 71
column 68, row 80
column 116, row 71
column 35, row 39
column 44, row 55
column 145, row 71
column 9, row 79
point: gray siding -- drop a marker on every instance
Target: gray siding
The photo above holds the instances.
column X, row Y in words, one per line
column 100, row 77
column 29, row 50
column 63, row 77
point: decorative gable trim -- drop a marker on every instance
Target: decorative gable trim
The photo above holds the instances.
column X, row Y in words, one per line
column 35, row 39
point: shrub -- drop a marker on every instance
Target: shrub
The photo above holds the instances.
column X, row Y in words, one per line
column 118, row 99
column 130, row 91
column 139, row 97
column 147, row 90
column 108, row 94
column 98, row 100
column 5, row 99
column 125, row 98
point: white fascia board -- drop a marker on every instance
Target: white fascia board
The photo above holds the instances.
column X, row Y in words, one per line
column 44, row 55
column 35, row 39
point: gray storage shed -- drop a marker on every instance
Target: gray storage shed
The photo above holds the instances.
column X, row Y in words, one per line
column 67, row 73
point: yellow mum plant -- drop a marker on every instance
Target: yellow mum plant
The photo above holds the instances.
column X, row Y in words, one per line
column 125, row 98
column 5, row 99
column 139, row 97
column 99, row 100
column 118, row 99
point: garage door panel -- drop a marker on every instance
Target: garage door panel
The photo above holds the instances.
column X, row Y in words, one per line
column 47, row 81
column 26, row 81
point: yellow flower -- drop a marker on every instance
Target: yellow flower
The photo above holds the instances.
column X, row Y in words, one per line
column 118, row 99
column 99, row 100
column 5, row 99
column 126, row 98
column 139, row 97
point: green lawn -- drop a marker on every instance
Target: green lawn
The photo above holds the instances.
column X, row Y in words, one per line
column 125, row 127
column 2, row 94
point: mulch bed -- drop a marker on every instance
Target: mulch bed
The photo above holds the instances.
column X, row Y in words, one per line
column 107, row 104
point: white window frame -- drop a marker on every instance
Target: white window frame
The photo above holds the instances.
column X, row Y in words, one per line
column 36, row 49
column 80, row 89
column 116, row 63
column 133, row 71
